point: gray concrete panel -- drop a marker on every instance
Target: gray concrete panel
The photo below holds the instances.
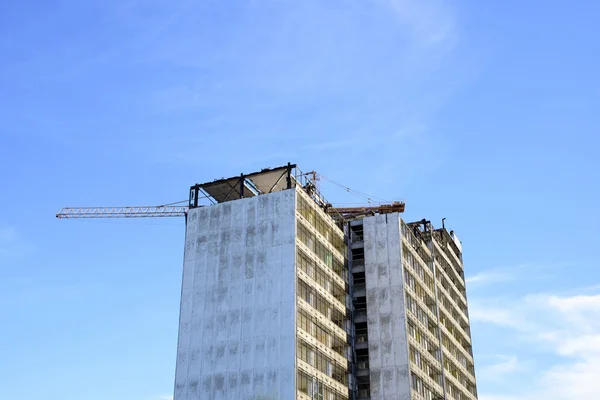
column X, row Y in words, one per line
column 386, row 319
column 237, row 317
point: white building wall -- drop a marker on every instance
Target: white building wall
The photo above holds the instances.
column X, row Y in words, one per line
column 386, row 319
column 237, row 317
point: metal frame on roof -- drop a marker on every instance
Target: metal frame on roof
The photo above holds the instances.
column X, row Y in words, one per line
column 267, row 180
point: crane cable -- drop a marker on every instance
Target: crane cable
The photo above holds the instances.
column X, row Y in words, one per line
column 172, row 204
column 365, row 196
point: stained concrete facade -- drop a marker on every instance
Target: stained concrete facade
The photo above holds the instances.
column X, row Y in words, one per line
column 237, row 318
column 386, row 319
column 414, row 310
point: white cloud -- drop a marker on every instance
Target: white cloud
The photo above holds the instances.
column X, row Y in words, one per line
column 576, row 304
column 498, row 316
column 496, row 372
column 500, row 397
column 571, row 381
column 564, row 330
column 517, row 273
column 491, row 276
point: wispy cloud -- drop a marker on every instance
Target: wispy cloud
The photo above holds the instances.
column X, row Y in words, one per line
column 523, row 272
column 308, row 73
column 501, row 397
column 491, row 277
column 500, row 369
column 565, row 330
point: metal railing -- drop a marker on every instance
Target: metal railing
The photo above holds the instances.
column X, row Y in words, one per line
column 356, row 237
column 361, row 312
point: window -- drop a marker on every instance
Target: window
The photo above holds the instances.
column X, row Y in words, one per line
column 316, row 389
column 322, row 226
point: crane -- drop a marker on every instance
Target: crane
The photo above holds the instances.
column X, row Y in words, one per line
column 181, row 211
column 122, row 212
column 244, row 186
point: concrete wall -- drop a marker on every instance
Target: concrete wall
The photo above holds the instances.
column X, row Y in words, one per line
column 388, row 349
column 237, row 318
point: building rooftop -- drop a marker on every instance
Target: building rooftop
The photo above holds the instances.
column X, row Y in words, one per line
column 267, row 180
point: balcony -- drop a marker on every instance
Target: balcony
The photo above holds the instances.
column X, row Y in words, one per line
column 358, row 265
column 362, row 367
column 361, row 340
column 359, row 290
column 360, row 315
column 356, row 236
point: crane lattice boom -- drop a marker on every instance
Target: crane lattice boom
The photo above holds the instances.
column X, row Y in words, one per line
column 396, row 206
column 181, row 211
column 122, row 212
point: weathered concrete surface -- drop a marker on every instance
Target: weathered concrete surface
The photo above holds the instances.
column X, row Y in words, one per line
column 386, row 319
column 237, row 318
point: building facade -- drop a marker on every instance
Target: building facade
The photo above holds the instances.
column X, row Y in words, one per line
column 282, row 301
column 411, row 324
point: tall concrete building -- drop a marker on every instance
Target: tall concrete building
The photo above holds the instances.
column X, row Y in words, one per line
column 411, row 324
column 283, row 299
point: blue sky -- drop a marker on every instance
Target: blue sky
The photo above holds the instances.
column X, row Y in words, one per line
column 485, row 113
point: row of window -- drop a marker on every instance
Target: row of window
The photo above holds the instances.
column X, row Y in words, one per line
column 451, row 309
column 456, row 270
column 424, row 341
column 459, row 376
column 321, row 333
column 430, row 370
column 316, row 220
column 426, row 256
column 453, row 392
column 459, row 333
column 316, row 389
column 306, row 264
column 453, row 292
column 416, row 333
column 407, row 232
column 458, row 283
column 410, row 281
column 320, row 361
column 417, row 311
column 422, row 388
column 422, row 294
column 428, row 280
column 455, row 351
column 415, row 265
column 321, row 251
column 416, row 357
column 451, row 363
column 320, row 303
column 456, row 333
